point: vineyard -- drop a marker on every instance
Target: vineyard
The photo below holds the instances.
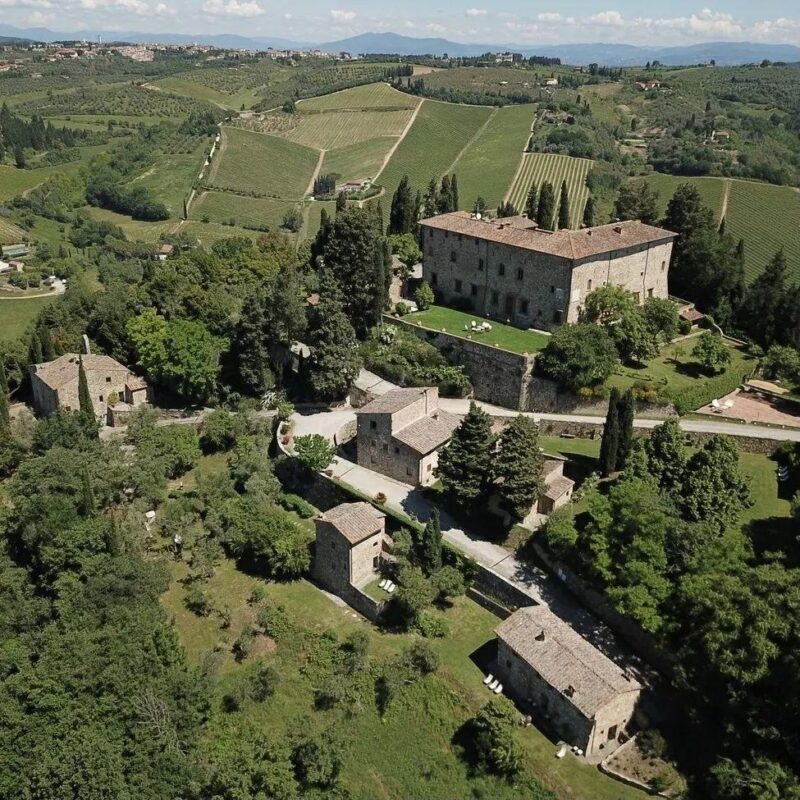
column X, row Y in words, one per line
column 711, row 190
column 539, row 168
column 361, row 98
column 234, row 210
column 11, row 233
column 358, row 161
column 339, row 129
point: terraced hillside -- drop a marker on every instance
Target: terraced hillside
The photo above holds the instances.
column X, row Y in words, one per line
column 10, row 233
column 539, row 168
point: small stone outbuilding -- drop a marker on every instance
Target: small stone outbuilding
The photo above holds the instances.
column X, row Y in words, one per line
column 565, row 682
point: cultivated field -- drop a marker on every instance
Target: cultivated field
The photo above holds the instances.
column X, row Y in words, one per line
column 17, row 314
column 373, row 95
column 11, row 233
column 439, row 134
column 172, row 177
column 488, row 166
column 199, row 91
column 539, row 168
column 712, row 190
column 232, row 209
column 356, row 161
column 338, row 129
column 262, row 165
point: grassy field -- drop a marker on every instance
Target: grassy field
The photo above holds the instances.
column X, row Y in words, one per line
column 223, row 207
column 540, row 168
column 16, row 315
column 361, row 160
column 135, row 230
column 439, row 134
column 340, row 128
column 172, row 176
column 207, row 233
column 198, row 91
column 11, row 233
column 489, row 165
column 370, row 96
column 262, row 164
column 439, row 318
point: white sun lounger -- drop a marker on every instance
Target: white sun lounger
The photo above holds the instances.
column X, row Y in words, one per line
column 562, row 751
column 391, row 587
column 498, row 689
column 488, row 679
column 493, row 685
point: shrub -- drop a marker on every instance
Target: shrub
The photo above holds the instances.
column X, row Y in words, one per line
column 703, row 392
column 293, row 502
column 421, row 658
column 197, row 601
column 432, row 626
column 684, row 327
column 424, row 296
column 263, row 683
column 314, row 452
column 257, row 595
column 380, row 498
column 401, row 309
column 273, row 619
column 243, row 646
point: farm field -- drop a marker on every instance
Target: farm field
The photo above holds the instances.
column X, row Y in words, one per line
column 223, row 207
column 11, row 233
column 207, row 233
column 262, row 164
column 172, row 176
column 135, row 230
column 313, row 216
column 439, row 134
column 370, row 96
column 17, row 314
column 341, row 128
column 198, row 91
column 488, row 166
column 360, row 160
column 539, row 168
column 712, row 190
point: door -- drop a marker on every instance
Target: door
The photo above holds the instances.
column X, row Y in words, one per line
column 509, row 307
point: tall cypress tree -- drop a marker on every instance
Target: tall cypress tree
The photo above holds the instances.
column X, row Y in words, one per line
column 445, row 196
column 610, row 444
column 625, row 415
column 532, row 202
column 545, row 213
column 48, row 350
column 35, row 348
column 431, row 202
column 401, row 213
column 465, row 464
column 454, row 193
column 341, row 202
column 563, row 207
column 589, row 212
column 431, row 544
column 5, row 417
column 84, row 398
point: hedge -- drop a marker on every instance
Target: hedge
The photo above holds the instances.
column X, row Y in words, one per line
column 705, row 391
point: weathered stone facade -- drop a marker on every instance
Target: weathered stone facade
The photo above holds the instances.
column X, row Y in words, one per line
column 513, row 272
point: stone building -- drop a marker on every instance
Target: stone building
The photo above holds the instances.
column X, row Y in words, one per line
column 55, row 384
column 511, row 270
column 400, row 434
column 351, row 539
column 565, row 681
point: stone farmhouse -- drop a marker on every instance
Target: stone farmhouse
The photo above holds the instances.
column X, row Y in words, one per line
column 514, row 271
column 55, row 384
column 400, row 434
column 351, row 541
column 565, row 681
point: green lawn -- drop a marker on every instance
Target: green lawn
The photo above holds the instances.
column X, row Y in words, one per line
column 16, row 315
column 506, row 337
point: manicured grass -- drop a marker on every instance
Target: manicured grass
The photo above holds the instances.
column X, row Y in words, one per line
column 489, row 165
column 506, row 337
column 224, row 207
column 539, row 168
column 261, row 164
column 339, row 129
column 763, row 474
column 555, row 445
column 361, row 160
column 373, row 95
column 16, row 315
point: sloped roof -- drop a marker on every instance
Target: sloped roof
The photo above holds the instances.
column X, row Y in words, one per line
column 573, row 245
column 65, row 368
column 427, row 434
column 392, row 402
column 355, row 521
column 557, row 487
column 564, row 659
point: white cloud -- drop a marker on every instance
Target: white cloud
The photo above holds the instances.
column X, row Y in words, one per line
column 233, row 8
column 476, row 12
column 25, row 4
column 136, row 6
column 549, row 16
column 163, row 10
column 435, row 27
column 38, row 18
column 340, row 15
column 287, row 16
column 610, row 18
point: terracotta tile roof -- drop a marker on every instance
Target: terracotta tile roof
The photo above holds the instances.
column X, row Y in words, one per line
column 691, row 314
column 355, row 521
column 551, row 467
column 65, row 368
column 429, row 433
column 134, row 383
column 564, row 659
column 558, row 487
column 392, row 402
column 573, row 245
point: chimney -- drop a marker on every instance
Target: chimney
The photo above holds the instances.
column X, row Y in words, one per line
column 540, row 637
column 87, row 348
column 618, row 229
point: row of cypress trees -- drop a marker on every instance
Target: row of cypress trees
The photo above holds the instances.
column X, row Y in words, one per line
column 618, row 432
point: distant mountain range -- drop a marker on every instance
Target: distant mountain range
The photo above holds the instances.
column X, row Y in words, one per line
column 612, row 55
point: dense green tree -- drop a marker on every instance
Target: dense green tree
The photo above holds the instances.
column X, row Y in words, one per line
column 84, row 398
column 454, row 198
column 402, row 216
column 563, row 208
column 579, row 356
column 430, row 549
column 637, row 201
column 590, row 212
column 492, row 734
column 424, row 296
column 712, row 353
column 406, row 248
column 609, row 447
column 546, row 209
column 517, row 466
column 430, row 203
column 532, row 203
column 661, row 316
column 317, row 761
column 465, row 463
column 314, row 452
column 761, row 314
column 414, row 594
column 667, row 454
column 626, row 411
column 5, row 419
column 48, row 350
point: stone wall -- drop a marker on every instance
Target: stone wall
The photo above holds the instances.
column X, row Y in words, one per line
column 497, row 587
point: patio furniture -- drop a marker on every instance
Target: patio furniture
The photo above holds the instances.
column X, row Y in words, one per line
column 488, row 679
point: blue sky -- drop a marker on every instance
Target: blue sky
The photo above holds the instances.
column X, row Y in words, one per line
column 513, row 21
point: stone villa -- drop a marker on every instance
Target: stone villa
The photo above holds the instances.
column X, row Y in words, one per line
column 401, row 432
column 565, row 681
column 55, row 384
column 514, row 271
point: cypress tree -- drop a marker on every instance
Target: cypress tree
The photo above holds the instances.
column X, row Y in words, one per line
column 341, row 202
column 431, row 544
column 445, row 196
column 465, row 464
column 626, row 412
column 5, row 417
column 401, row 212
column 454, row 193
column 518, row 466
column 431, row 202
column 35, row 348
column 48, row 350
column 531, row 202
column 589, row 212
column 610, row 444
column 545, row 213
column 84, row 398
column 563, row 207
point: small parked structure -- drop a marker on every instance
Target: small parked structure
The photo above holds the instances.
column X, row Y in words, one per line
column 164, row 251
column 400, row 434
column 55, row 384
column 569, row 684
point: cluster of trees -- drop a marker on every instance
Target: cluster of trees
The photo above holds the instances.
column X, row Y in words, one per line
column 476, row 464
column 324, row 187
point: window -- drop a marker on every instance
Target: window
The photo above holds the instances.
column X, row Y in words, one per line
column 376, row 561
column 663, row 265
column 453, row 256
column 519, row 274
column 373, row 424
column 374, row 442
column 588, row 286
column 473, row 289
column 408, row 470
column 501, row 270
column 477, row 242
column 375, row 543
column 523, row 306
column 557, row 317
column 612, row 733
column 458, row 285
column 434, row 278
column 429, row 467
column 373, row 460
column 108, row 379
column 480, row 265
column 649, row 292
column 101, row 398
column 552, row 290
column 637, row 297
column 495, row 298
column 508, row 663
column 446, row 235
column 430, row 233
column 397, row 451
